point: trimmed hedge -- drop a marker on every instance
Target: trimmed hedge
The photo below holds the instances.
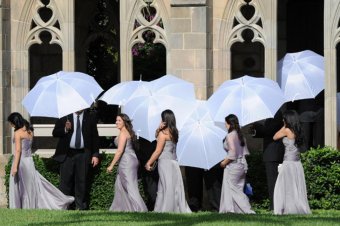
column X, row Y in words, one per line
column 256, row 176
column 321, row 166
column 322, row 172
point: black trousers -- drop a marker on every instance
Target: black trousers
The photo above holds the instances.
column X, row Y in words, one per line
column 271, row 173
column 74, row 175
column 150, row 186
column 213, row 184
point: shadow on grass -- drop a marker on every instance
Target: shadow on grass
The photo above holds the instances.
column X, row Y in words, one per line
column 150, row 218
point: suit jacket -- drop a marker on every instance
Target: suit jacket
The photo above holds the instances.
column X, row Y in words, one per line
column 89, row 131
column 273, row 150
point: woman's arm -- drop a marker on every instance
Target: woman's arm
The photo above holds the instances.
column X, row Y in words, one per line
column 159, row 148
column 231, row 139
column 17, row 141
column 122, row 138
column 281, row 133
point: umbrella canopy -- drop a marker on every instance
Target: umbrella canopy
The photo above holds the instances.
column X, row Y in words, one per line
column 120, row 93
column 301, row 75
column 61, row 93
column 150, row 99
column 250, row 99
column 200, row 140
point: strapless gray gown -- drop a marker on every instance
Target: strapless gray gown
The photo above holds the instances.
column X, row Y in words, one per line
column 30, row 190
column 170, row 192
column 127, row 197
column 290, row 193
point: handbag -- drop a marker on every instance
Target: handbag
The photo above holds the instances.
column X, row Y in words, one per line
column 248, row 190
column 154, row 165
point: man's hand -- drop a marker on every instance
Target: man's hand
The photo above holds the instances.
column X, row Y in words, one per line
column 94, row 161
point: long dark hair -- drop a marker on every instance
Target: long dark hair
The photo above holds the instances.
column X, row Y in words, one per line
column 292, row 122
column 17, row 120
column 232, row 120
column 169, row 119
column 129, row 127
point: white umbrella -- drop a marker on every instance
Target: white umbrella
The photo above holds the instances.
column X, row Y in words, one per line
column 61, row 93
column 200, row 141
column 120, row 93
column 250, row 99
column 301, row 75
column 149, row 100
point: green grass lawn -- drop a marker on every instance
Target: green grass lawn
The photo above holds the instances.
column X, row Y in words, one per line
column 47, row 217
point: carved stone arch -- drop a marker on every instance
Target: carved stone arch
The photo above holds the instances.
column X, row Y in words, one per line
column 53, row 26
column 231, row 32
column 134, row 34
column 25, row 36
column 336, row 28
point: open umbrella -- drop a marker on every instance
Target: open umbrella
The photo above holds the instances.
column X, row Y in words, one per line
column 250, row 99
column 120, row 93
column 200, row 140
column 150, row 99
column 301, row 75
column 61, row 93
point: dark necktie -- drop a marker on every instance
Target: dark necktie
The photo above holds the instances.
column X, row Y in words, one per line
column 78, row 134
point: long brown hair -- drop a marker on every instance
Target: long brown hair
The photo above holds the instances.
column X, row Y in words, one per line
column 232, row 120
column 169, row 119
column 129, row 127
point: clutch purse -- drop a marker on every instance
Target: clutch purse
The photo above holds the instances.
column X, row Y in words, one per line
column 154, row 165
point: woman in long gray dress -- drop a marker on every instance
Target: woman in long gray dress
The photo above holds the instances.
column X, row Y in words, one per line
column 170, row 193
column 127, row 197
column 233, row 199
column 27, row 188
column 290, row 193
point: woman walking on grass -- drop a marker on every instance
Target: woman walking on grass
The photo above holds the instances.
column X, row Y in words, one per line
column 290, row 193
column 127, row 196
column 233, row 199
column 170, row 193
column 28, row 189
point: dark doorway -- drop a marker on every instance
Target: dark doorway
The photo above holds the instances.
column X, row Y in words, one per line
column 300, row 27
column 247, row 58
column 44, row 59
column 97, row 48
column 149, row 59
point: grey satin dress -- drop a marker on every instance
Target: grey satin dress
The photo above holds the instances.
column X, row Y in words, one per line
column 290, row 193
column 170, row 192
column 233, row 199
column 30, row 190
column 127, row 197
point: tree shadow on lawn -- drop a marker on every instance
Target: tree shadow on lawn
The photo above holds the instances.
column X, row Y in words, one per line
column 151, row 218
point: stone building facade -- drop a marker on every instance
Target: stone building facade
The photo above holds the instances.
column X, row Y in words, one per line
column 203, row 41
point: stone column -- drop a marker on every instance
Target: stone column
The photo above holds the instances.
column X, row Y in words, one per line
column 5, row 89
column 189, row 43
column 331, row 39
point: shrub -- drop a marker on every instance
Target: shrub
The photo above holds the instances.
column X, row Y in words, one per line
column 322, row 172
column 256, row 176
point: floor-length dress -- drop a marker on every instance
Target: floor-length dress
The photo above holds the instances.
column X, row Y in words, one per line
column 127, row 197
column 233, row 199
column 30, row 190
column 290, row 193
column 170, row 192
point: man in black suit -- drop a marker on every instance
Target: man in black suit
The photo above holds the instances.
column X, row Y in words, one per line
column 77, row 148
column 213, row 183
column 149, row 178
column 273, row 151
